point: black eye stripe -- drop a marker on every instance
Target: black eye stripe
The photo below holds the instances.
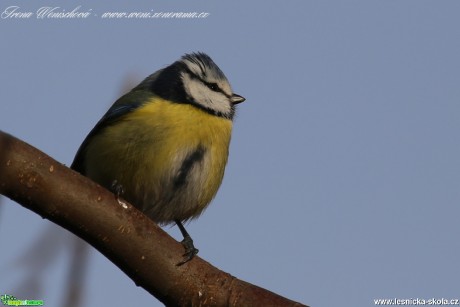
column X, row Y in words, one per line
column 211, row 85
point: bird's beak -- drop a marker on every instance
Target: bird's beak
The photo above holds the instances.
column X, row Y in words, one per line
column 235, row 99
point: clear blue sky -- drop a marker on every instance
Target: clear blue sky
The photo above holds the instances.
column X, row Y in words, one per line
column 343, row 183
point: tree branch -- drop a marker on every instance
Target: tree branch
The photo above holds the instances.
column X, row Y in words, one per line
column 133, row 242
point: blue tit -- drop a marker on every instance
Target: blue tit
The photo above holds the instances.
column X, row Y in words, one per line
column 164, row 145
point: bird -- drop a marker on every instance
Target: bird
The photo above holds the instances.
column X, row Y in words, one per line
column 164, row 145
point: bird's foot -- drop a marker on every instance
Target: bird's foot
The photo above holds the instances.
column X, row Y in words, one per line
column 190, row 250
column 117, row 188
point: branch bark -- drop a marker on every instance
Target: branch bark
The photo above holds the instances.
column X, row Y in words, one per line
column 129, row 239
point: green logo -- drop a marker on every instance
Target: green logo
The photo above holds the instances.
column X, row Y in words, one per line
column 10, row 300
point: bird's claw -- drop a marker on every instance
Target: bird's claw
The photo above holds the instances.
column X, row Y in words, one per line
column 117, row 188
column 190, row 250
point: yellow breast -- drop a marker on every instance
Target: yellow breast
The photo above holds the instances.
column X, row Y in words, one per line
column 145, row 151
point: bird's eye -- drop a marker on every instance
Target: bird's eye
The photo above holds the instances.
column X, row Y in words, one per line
column 213, row 86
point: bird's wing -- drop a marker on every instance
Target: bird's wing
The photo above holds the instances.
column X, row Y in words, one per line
column 123, row 106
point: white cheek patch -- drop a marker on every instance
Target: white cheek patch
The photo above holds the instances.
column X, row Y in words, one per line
column 206, row 97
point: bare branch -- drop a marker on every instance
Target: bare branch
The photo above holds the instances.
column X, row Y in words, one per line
column 133, row 242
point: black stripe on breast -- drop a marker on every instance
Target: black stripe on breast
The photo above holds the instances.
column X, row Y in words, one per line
column 187, row 165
